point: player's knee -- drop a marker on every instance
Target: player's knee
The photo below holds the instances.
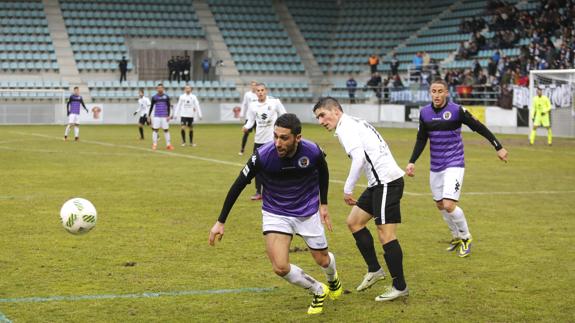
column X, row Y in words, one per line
column 281, row 269
column 385, row 234
column 321, row 258
column 353, row 224
column 449, row 206
column 439, row 205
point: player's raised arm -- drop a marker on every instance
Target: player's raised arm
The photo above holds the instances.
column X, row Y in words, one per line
column 244, row 178
column 481, row 129
column 418, row 148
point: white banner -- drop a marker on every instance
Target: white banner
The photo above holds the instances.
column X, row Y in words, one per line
column 230, row 112
column 95, row 113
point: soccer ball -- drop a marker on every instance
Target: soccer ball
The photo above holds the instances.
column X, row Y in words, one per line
column 78, row 216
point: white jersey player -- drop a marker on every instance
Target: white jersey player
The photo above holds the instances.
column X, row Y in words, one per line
column 249, row 97
column 380, row 201
column 262, row 114
column 142, row 111
column 188, row 109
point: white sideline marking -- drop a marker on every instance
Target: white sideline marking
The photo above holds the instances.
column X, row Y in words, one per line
column 217, row 161
column 4, row 319
column 136, row 295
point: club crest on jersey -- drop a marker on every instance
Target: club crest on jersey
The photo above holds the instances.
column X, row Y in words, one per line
column 303, row 162
column 446, row 115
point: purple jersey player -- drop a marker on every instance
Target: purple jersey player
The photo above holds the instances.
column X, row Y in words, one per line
column 440, row 122
column 161, row 117
column 295, row 176
column 73, row 112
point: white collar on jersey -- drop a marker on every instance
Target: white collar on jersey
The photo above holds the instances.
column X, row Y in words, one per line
column 343, row 115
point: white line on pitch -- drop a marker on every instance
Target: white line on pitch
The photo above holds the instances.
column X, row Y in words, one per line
column 217, row 161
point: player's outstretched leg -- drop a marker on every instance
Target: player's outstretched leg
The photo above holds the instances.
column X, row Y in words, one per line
column 76, row 132
column 277, row 248
column 191, row 134
column 141, row 129
column 458, row 218
column 168, row 141
column 154, row 139
column 67, row 132
column 364, row 241
column 183, row 134
column 455, row 240
column 394, row 259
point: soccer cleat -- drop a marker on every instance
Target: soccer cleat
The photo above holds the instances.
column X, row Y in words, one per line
column 154, row 146
column 392, row 293
column 193, row 145
column 370, row 279
column 241, row 153
column 256, row 197
column 183, row 144
column 170, row 147
column 316, row 306
column 335, row 288
column 453, row 244
column 77, row 139
column 65, row 138
column 465, row 248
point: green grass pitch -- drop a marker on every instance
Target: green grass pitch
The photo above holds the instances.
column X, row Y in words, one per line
column 155, row 210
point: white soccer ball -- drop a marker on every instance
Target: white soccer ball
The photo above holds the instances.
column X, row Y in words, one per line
column 78, row 216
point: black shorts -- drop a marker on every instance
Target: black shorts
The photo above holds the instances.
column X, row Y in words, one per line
column 383, row 202
column 143, row 120
column 188, row 122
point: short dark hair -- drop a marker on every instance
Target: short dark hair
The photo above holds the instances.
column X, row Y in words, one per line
column 289, row 121
column 160, row 84
column 75, row 87
column 327, row 102
column 141, row 90
column 440, row 81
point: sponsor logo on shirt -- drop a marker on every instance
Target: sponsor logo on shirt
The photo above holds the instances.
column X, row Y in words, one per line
column 303, row 162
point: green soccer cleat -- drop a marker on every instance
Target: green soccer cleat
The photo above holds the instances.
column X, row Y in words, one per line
column 465, row 248
column 335, row 288
column 453, row 244
column 316, row 306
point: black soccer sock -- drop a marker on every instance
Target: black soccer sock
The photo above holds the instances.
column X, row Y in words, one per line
column 245, row 140
column 394, row 260
column 183, row 133
column 141, row 132
column 364, row 242
column 191, row 136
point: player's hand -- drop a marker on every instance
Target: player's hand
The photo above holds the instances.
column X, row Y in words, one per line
column 325, row 219
column 410, row 169
column 149, row 120
column 348, row 199
column 502, row 154
column 217, row 231
column 170, row 118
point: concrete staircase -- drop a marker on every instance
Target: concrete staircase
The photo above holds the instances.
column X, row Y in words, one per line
column 218, row 48
column 311, row 66
column 63, row 49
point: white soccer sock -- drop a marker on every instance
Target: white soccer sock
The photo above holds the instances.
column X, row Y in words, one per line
column 449, row 220
column 67, row 131
column 459, row 220
column 167, row 136
column 330, row 269
column 76, row 131
column 297, row 277
column 155, row 137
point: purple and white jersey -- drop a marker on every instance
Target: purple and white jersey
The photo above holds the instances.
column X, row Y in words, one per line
column 74, row 103
column 443, row 127
column 291, row 185
column 161, row 105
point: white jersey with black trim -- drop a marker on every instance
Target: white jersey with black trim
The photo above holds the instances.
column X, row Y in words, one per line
column 143, row 106
column 248, row 98
column 264, row 115
column 188, row 106
column 379, row 166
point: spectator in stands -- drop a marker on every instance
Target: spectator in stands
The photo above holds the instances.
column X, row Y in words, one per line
column 351, row 85
column 426, row 59
column 187, row 65
column 418, row 61
column 123, row 66
column 496, row 56
column 373, row 61
column 374, row 84
column 491, row 69
column 394, row 65
column 171, row 68
column 480, row 40
column 461, row 51
column 476, row 68
column 397, row 83
column 206, row 65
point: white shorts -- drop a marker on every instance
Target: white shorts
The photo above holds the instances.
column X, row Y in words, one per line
column 73, row 118
column 309, row 228
column 160, row 122
column 447, row 183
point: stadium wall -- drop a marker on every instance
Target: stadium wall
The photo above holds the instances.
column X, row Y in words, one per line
column 388, row 115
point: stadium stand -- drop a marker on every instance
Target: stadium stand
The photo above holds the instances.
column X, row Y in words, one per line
column 98, row 30
column 25, row 44
column 256, row 39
